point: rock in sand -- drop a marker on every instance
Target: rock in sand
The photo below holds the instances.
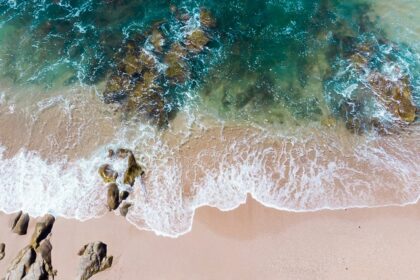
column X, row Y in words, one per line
column 93, row 260
column 20, row 223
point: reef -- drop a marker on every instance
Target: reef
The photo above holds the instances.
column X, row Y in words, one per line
column 368, row 84
column 150, row 65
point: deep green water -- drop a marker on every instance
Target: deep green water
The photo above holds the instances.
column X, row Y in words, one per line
column 268, row 61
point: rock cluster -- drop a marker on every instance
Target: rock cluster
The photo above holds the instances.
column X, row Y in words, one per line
column 115, row 197
column 390, row 90
column 34, row 261
column 394, row 95
column 20, row 223
column 150, row 64
column 93, row 260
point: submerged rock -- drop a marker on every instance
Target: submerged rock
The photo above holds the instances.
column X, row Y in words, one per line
column 20, row 223
column 117, row 88
column 93, row 260
column 174, row 59
column 147, row 100
column 206, row 18
column 42, row 230
column 157, row 40
column 395, row 96
column 113, row 200
column 2, row 250
column 134, row 170
column 107, row 173
column 197, row 40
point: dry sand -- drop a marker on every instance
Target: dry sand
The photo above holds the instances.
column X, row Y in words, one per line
column 251, row 242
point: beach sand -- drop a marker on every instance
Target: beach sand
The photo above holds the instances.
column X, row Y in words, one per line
column 251, row 242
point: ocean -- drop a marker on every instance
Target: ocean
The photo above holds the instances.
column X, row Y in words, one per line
column 302, row 105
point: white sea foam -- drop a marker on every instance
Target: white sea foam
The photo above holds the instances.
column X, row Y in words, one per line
column 294, row 175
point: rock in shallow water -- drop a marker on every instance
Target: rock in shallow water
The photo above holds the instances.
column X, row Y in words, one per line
column 133, row 171
column 93, row 260
column 125, row 207
column 107, row 173
column 113, row 194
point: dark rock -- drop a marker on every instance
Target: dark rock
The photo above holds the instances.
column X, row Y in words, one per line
column 20, row 223
column 124, row 208
column 2, row 250
column 113, row 200
column 93, row 260
column 107, row 173
column 42, row 230
column 134, row 170
column 124, row 195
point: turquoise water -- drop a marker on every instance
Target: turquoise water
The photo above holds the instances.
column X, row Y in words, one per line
column 267, row 60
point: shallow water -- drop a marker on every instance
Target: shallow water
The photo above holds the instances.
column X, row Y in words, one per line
column 274, row 106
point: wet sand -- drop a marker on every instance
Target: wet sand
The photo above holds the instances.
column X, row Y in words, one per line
column 251, row 242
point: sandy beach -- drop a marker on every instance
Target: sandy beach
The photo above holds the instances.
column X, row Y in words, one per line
column 251, row 242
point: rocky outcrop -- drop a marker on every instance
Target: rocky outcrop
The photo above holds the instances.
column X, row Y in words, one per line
column 2, row 251
column 34, row 261
column 113, row 194
column 42, row 230
column 115, row 197
column 133, row 171
column 107, row 173
column 93, row 260
column 147, row 69
column 20, row 223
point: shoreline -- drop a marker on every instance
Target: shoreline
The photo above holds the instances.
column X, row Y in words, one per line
column 248, row 242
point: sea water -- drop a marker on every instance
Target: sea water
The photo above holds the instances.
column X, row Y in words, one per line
column 274, row 106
